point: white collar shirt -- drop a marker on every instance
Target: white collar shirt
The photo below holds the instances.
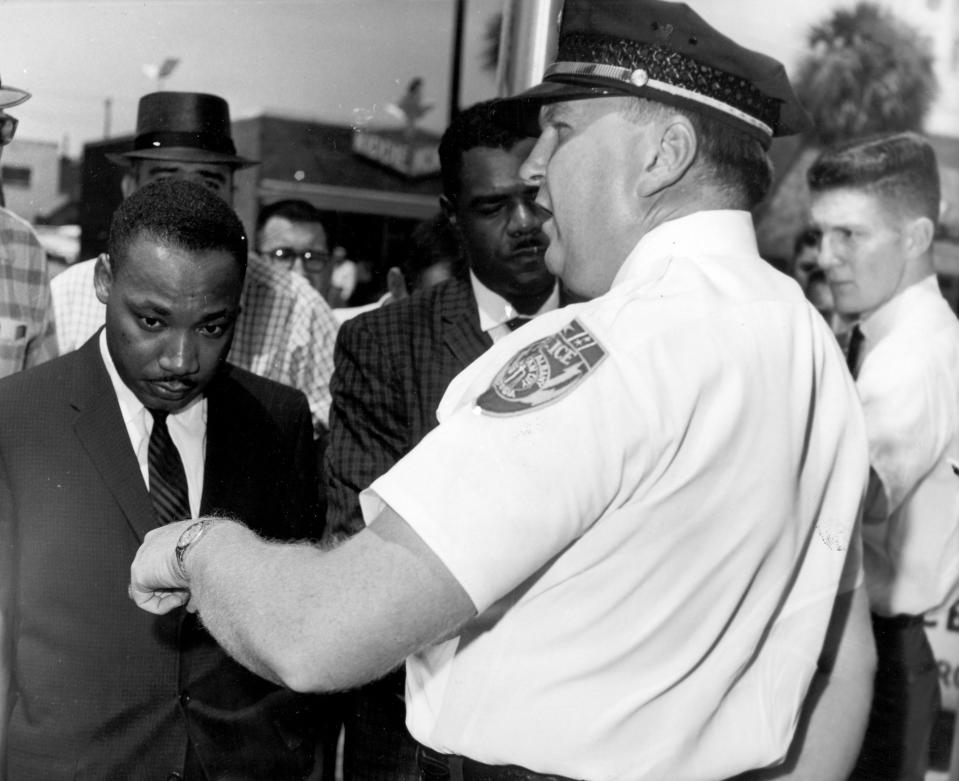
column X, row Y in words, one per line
column 651, row 499
column 495, row 311
column 908, row 381
column 187, row 430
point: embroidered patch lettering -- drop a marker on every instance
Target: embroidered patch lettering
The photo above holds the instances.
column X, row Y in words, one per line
column 543, row 371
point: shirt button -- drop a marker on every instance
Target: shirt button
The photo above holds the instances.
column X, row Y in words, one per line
column 185, row 698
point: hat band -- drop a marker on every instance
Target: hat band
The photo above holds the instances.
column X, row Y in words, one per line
column 639, row 79
column 208, row 142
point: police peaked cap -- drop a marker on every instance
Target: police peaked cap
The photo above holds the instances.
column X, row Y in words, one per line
column 666, row 52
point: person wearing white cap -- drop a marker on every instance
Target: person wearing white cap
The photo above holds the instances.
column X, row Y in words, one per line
column 629, row 551
column 27, row 335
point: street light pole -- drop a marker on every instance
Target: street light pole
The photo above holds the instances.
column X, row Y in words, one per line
column 459, row 15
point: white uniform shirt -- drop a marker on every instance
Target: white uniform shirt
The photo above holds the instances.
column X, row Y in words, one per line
column 655, row 544
column 909, row 384
column 187, row 429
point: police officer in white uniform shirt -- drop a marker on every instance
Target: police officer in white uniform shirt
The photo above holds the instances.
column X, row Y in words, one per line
column 630, row 549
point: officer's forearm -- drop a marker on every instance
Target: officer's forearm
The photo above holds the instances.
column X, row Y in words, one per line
column 318, row 620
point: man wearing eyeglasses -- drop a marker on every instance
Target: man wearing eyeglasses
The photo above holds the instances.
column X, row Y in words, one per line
column 290, row 235
column 27, row 337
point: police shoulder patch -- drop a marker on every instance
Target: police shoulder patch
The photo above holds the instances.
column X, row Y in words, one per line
column 543, row 371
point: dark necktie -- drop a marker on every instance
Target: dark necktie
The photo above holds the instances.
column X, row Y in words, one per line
column 852, row 350
column 517, row 321
column 168, row 488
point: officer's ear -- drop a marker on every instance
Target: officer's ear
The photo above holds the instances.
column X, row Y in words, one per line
column 103, row 277
column 670, row 155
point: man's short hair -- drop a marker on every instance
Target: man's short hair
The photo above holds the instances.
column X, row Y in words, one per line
column 473, row 127
column 898, row 167
column 290, row 209
column 180, row 214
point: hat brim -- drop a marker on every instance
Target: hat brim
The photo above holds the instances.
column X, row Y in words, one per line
column 12, row 96
column 521, row 111
column 182, row 153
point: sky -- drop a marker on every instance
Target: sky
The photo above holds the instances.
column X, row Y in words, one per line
column 330, row 60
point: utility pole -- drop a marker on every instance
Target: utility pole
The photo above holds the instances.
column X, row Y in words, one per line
column 528, row 40
column 459, row 16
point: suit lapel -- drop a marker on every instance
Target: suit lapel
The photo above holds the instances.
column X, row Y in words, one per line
column 460, row 318
column 227, row 445
column 102, row 433
column 217, row 450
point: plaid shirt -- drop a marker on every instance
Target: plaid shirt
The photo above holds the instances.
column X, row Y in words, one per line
column 285, row 330
column 26, row 320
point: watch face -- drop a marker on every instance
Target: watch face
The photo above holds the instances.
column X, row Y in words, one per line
column 190, row 533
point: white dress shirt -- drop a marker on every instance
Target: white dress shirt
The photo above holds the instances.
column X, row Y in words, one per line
column 909, row 385
column 187, row 430
column 495, row 311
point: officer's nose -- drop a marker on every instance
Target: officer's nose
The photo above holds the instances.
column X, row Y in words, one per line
column 533, row 169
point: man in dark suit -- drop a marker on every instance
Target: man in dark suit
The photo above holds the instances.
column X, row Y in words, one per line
column 393, row 364
column 144, row 424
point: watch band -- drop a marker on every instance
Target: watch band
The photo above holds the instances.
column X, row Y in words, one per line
column 189, row 537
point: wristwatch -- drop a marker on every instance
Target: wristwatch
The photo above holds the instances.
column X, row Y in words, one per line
column 191, row 534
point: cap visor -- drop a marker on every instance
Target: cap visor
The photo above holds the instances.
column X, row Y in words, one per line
column 521, row 112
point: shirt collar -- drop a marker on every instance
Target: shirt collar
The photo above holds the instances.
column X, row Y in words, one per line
column 885, row 318
column 721, row 232
column 495, row 310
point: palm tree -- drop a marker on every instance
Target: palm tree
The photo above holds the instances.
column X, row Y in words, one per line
column 866, row 72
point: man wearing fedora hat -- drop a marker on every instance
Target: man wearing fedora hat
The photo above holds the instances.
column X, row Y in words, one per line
column 630, row 548
column 286, row 330
column 26, row 323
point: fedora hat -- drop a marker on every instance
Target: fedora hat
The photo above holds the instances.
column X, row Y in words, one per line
column 185, row 126
column 662, row 51
column 12, row 96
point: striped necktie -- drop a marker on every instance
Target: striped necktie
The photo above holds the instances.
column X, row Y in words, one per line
column 168, row 487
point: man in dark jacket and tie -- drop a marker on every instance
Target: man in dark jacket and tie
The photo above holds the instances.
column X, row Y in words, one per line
column 145, row 424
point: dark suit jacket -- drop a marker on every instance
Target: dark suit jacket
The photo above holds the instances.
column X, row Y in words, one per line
column 392, row 366
column 104, row 690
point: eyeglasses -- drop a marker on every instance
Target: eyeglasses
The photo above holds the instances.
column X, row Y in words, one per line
column 312, row 259
column 8, row 128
